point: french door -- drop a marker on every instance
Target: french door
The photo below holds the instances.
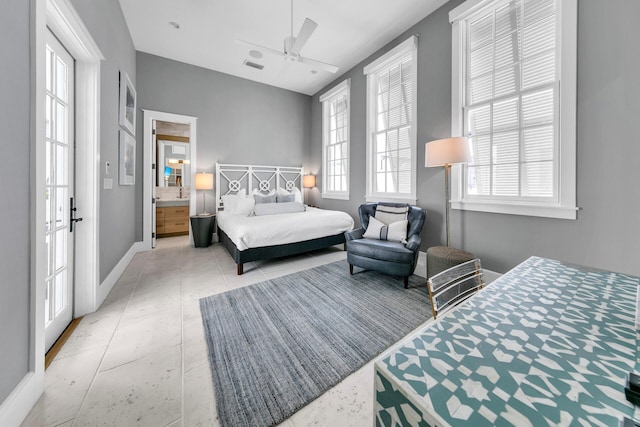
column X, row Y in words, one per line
column 59, row 188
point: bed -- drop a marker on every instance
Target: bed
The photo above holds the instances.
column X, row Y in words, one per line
column 280, row 226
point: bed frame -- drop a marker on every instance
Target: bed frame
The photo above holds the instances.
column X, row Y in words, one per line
column 232, row 179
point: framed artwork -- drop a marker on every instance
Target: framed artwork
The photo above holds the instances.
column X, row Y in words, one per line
column 127, row 164
column 127, row 104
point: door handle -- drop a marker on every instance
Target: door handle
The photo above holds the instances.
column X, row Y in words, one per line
column 72, row 215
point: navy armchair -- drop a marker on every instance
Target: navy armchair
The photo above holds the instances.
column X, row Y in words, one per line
column 393, row 258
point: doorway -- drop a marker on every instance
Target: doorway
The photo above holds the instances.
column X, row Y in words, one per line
column 151, row 168
column 59, row 188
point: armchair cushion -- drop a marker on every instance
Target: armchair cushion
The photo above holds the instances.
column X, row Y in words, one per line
column 380, row 250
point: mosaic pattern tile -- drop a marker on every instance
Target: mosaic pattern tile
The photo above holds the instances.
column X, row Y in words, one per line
column 547, row 344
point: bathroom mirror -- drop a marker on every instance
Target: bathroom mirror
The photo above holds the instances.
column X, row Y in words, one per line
column 173, row 166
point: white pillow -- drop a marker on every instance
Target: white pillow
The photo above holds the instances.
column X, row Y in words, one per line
column 296, row 192
column 238, row 204
column 394, row 232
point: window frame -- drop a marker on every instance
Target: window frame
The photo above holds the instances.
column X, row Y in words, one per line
column 343, row 88
column 565, row 188
column 371, row 71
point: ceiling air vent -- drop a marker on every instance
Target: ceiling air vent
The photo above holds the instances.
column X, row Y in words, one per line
column 253, row 65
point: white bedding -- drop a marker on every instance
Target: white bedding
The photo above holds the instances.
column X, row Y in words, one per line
column 259, row 231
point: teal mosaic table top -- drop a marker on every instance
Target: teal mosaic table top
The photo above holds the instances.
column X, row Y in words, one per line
column 546, row 344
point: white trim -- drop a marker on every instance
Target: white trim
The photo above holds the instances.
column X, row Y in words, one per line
column 112, row 278
column 467, row 8
column 344, row 86
column 18, row 404
column 409, row 46
column 514, row 208
column 147, row 173
column 566, row 207
column 392, row 55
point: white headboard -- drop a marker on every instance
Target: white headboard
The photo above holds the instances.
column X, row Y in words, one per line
column 230, row 179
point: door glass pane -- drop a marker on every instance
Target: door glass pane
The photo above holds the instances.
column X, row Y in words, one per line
column 61, row 248
column 62, row 207
column 61, row 80
column 61, row 120
column 61, row 165
column 48, row 118
column 60, row 291
column 47, row 210
column 49, row 72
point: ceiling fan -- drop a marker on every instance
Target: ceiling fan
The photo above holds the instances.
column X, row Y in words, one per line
column 293, row 46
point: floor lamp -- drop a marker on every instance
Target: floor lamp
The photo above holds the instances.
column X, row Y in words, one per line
column 445, row 152
column 204, row 181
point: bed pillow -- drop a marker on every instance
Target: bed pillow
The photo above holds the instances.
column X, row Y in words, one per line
column 394, row 232
column 390, row 214
column 238, row 204
column 297, row 196
column 285, row 198
column 277, row 208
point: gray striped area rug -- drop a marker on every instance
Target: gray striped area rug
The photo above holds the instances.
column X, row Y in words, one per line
column 277, row 345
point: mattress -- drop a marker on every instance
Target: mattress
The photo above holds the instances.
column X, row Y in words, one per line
column 259, row 231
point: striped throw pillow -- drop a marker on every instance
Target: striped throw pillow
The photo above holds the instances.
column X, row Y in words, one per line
column 389, row 214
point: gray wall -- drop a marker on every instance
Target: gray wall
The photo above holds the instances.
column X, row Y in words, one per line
column 118, row 220
column 605, row 235
column 239, row 121
column 14, row 210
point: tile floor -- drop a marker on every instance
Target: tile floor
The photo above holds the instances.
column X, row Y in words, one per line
column 141, row 360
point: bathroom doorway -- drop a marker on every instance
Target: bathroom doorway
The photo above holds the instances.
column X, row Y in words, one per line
column 169, row 152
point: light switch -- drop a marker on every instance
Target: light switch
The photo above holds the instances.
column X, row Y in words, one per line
column 108, row 184
column 107, row 168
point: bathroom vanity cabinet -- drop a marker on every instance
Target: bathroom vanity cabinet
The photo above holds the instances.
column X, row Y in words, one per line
column 172, row 221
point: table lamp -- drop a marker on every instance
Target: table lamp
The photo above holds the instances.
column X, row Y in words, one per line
column 309, row 181
column 204, row 181
column 445, row 152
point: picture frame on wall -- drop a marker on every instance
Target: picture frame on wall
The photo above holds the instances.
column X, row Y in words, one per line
column 127, row 104
column 127, row 164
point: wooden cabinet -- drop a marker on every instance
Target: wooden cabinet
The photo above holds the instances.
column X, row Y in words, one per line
column 172, row 221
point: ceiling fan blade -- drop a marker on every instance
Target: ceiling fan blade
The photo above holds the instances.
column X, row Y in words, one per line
column 305, row 32
column 258, row 47
column 327, row 67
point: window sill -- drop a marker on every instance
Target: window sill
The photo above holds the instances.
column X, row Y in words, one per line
column 539, row 210
column 391, row 199
column 335, row 196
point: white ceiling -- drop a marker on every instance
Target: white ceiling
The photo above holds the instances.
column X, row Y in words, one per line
column 348, row 31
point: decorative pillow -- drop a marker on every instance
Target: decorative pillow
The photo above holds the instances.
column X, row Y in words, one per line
column 284, row 193
column 260, row 197
column 390, row 214
column 278, row 208
column 238, row 204
column 394, row 232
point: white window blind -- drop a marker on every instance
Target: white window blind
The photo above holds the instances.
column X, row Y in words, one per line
column 335, row 141
column 391, row 84
column 510, row 76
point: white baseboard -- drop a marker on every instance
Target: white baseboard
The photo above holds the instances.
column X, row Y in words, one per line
column 17, row 405
column 110, row 281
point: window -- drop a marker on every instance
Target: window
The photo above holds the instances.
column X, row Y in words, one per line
column 514, row 97
column 335, row 141
column 391, row 131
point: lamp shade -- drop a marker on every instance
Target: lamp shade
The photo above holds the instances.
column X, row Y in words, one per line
column 309, row 181
column 204, row 181
column 446, row 152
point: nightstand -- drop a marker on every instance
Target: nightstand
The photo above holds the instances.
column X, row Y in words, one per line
column 202, row 227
